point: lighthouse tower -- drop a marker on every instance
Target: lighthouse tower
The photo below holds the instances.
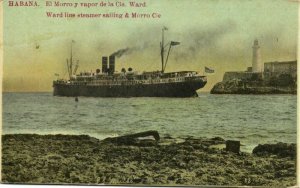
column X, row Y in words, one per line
column 256, row 58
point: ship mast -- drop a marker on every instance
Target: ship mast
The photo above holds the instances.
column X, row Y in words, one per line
column 162, row 50
column 71, row 58
column 70, row 63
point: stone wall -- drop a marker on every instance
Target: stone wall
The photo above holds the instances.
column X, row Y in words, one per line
column 277, row 68
column 239, row 76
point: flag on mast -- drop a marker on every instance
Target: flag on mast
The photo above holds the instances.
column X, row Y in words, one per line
column 208, row 70
column 174, row 43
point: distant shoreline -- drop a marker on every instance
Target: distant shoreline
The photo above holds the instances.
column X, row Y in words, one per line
column 81, row 159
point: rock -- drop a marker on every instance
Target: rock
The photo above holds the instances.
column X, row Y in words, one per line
column 279, row 149
column 244, row 87
column 233, row 146
column 218, row 139
column 167, row 136
column 80, row 160
column 139, row 139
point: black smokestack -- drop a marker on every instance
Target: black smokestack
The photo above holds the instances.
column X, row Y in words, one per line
column 104, row 64
column 112, row 64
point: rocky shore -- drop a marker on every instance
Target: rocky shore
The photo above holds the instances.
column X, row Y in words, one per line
column 72, row 159
column 240, row 87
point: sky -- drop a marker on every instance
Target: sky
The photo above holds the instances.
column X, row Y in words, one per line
column 218, row 34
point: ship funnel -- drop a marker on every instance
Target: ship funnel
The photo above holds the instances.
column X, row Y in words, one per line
column 104, row 64
column 112, row 64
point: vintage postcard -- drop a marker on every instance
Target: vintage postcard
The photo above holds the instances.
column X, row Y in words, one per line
column 149, row 93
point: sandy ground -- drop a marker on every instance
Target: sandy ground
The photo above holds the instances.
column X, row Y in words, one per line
column 82, row 159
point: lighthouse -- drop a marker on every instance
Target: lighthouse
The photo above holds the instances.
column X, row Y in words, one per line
column 256, row 58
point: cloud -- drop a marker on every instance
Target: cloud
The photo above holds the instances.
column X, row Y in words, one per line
column 204, row 40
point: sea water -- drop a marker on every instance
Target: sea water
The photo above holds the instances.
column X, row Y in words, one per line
column 251, row 119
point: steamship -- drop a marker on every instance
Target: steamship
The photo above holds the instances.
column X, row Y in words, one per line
column 109, row 83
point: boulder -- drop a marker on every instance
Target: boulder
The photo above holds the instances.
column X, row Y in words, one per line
column 233, row 146
column 147, row 138
column 279, row 149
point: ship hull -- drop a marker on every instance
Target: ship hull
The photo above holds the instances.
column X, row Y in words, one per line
column 175, row 89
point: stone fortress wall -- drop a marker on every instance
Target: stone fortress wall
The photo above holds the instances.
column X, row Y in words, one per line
column 237, row 75
column 277, row 68
column 271, row 69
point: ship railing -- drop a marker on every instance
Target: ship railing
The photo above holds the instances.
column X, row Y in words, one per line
column 136, row 82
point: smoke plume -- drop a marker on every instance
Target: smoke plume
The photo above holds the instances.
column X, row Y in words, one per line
column 121, row 52
column 128, row 50
column 203, row 40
